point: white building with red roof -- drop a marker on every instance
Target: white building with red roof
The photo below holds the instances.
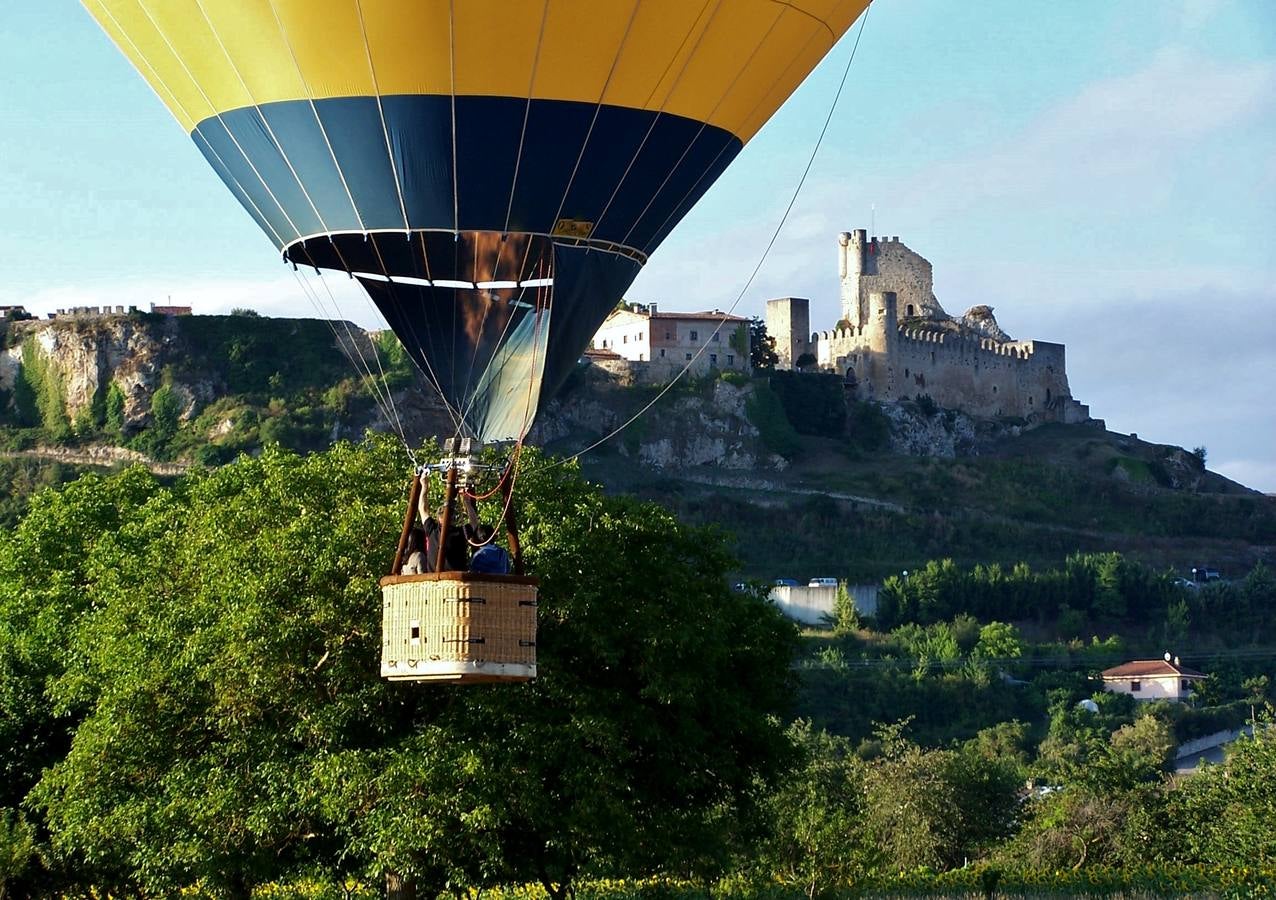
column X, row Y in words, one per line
column 1152, row 679
column 671, row 340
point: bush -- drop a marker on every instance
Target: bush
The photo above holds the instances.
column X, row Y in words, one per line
column 815, row 404
column 114, row 411
column 868, row 426
column 767, row 415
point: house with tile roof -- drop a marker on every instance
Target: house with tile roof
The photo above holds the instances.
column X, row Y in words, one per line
column 668, row 341
column 1152, row 679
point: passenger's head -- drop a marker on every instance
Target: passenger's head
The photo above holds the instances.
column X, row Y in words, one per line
column 416, row 539
column 484, row 532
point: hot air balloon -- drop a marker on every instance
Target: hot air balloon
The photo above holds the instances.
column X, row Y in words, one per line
column 493, row 172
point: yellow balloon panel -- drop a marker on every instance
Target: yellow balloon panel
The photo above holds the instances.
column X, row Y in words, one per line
column 730, row 63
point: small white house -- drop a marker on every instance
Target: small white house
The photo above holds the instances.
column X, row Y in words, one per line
column 1152, row 679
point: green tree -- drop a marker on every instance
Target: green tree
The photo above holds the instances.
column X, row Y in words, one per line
column 846, row 617
column 47, row 575
column 1224, row 814
column 999, row 641
column 816, row 817
column 762, row 355
column 236, row 730
column 17, row 850
column 166, row 410
column 114, row 410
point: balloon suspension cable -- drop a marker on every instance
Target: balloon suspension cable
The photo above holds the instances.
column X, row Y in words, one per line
column 461, row 467
column 756, row 269
column 382, row 396
column 510, row 475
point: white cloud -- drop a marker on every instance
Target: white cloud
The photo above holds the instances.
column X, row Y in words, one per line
column 1112, row 145
column 279, row 296
column 1192, row 14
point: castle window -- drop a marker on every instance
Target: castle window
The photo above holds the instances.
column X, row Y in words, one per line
column 1030, row 401
column 639, row 337
column 662, row 352
column 624, row 339
column 668, row 335
column 906, row 373
column 730, row 360
column 908, row 310
column 716, row 335
column 932, row 356
column 640, row 359
column 695, row 335
column 1047, row 396
column 713, row 359
column 994, row 388
column 688, row 357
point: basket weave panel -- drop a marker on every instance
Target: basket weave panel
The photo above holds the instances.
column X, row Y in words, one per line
column 461, row 621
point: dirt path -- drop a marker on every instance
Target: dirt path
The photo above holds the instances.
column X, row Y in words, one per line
column 104, row 457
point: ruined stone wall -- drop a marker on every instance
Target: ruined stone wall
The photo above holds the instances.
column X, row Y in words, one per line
column 871, row 265
column 788, row 321
column 982, row 377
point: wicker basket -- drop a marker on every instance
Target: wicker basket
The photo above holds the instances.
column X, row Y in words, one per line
column 458, row 627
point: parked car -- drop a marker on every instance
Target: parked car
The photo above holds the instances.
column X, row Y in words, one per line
column 786, row 582
column 822, row 582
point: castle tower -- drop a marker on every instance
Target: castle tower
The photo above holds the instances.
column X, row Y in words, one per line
column 788, row 321
column 850, row 267
column 882, row 327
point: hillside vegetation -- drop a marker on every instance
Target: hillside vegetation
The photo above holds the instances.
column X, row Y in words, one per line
column 818, row 484
column 187, row 714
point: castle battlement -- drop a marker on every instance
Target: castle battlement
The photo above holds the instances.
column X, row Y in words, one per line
column 901, row 343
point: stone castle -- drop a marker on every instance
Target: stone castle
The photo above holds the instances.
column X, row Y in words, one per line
column 895, row 341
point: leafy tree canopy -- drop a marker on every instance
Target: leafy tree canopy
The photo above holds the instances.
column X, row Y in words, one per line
column 213, row 648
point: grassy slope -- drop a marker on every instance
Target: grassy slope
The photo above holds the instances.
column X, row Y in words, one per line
column 1036, row 498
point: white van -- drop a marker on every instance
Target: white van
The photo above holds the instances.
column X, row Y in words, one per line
column 822, row 582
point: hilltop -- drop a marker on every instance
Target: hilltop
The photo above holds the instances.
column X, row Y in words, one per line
column 806, row 478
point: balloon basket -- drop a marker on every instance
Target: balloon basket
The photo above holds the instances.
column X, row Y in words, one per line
column 458, row 628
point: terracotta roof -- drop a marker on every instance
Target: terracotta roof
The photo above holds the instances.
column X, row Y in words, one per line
column 711, row 315
column 602, row 353
column 1151, row 668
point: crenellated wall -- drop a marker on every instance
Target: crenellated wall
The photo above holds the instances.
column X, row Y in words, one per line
column 895, row 342
column 870, row 264
column 980, row 376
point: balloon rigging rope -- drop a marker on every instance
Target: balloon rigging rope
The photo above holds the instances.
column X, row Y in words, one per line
column 602, row 95
column 230, row 134
column 353, row 352
column 385, row 128
column 396, row 421
column 220, row 120
column 381, row 392
column 389, row 394
column 757, row 268
column 674, row 210
column 669, row 96
column 203, row 141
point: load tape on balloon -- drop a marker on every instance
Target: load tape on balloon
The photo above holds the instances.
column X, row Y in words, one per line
column 494, row 172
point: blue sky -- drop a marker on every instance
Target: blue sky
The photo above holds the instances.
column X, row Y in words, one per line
column 1103, row 174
